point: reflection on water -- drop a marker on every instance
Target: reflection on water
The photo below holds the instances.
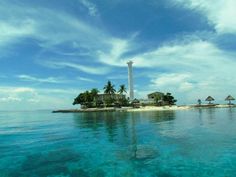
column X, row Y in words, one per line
column 110, row 121
column 198, row 142
column 231, row 113
column 160, row 116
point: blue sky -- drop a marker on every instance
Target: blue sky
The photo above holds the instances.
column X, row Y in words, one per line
column 52, row 50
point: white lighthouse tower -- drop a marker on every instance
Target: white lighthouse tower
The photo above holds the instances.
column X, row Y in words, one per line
column 130, row 80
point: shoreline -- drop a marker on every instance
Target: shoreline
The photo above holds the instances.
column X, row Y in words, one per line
column 143, row 109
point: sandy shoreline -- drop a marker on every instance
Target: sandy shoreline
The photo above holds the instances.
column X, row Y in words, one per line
column 158, row 108
column 143, row 109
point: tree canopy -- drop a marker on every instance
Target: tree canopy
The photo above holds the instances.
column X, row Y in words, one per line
column 109, row 88
column 122, row 89
column 169, row 99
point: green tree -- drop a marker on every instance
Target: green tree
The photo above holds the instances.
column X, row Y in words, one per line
column 122, row 89
column 168, row 98
column 157, row 99
column 87, row 97
column 123, row 101
column 199, row 101
column 94, row 94
column 79, row 99
column 109, row 101
column 109, row 88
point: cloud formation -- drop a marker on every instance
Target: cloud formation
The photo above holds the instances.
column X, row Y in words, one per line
column 63, row 64
column 28, row 98
column 220, row 13
column 92, row 9
column 43, row 80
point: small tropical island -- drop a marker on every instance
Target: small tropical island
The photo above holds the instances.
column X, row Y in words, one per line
column 116, row 100
column 112, row 99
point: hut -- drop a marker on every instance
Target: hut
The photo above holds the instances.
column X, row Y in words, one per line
column 229, row 99
column 135, row 103
column 210, row 99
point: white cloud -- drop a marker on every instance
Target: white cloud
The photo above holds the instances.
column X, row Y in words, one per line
column 10, row 32
column 91, row 70
column 42, row 80
column 114, row 56
column 92, row 9
column 27, row 98
column 177, row 81
column 15, row 90
column 193, row 67
column 10, row 99
column 15, row 94
column 41, row 23
column 220, row 13
column 86, row 79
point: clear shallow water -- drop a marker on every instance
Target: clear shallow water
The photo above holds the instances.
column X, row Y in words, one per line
column 190, row 143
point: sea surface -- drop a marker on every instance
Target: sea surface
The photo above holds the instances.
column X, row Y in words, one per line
column 184, row 143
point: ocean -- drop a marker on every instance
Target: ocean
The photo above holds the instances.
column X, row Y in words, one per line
column 181, row 143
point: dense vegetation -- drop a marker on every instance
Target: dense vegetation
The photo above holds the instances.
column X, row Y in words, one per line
column 91, row 99
column 165, row 99
column 169, row 99
column 111, row 98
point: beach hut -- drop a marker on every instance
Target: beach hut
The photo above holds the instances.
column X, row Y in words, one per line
column 210, row 99
column 135, row 103
column 229, row 98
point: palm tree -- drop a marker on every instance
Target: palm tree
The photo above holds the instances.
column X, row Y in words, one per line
column 87, row 97
column 94, row 94
column 229, row 98
column 210, row 99
column 109, row 88
column 122, row 89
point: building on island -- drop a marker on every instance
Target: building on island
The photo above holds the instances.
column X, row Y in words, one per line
column 103, row 97
column 155, row 95
column 153, row 99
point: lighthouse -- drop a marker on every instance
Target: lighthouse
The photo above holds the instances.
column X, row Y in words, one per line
column 130, row 81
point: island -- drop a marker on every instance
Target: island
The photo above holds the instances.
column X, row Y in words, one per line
column 111, row 100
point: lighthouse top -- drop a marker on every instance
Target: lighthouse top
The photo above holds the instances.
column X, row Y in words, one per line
column 130, row 62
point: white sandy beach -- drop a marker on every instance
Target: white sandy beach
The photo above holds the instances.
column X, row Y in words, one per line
column 147, row 108
column 161, row 108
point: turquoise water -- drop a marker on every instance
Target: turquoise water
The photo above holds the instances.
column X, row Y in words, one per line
column 188, row 143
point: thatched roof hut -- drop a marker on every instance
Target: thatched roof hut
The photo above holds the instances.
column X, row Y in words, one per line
column 135, row 103
column 229, row 98
column 210, row 99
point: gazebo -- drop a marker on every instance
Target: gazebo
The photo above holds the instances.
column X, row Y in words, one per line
column 229, row 98
column 210, row 99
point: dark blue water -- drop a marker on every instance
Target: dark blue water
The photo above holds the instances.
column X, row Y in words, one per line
column 188, row 143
